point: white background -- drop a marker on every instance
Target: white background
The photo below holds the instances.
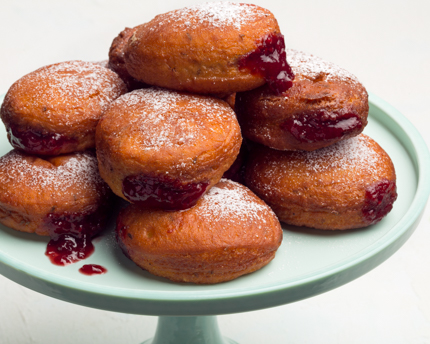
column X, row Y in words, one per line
column 386, row 44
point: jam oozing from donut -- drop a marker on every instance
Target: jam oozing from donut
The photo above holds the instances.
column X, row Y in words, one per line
column 71, row 235
column 35, row 142
column 92, row 269
column 379, row 200
column 66, row 249
column 77, row 223
column 317, row 127
column 162, row 192
column 270, row 61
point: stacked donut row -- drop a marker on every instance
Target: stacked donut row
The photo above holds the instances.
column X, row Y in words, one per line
column 310, row 160
column 185, row 101
column 49, row 182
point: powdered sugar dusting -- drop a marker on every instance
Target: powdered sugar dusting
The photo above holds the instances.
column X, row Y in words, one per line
column 352, row 155
column 220, row 14
column 340, row 163
column 73, row 85
column 310, row 66
column 169, row 118
column 231, row 202
column 80, row 171
column 346, row 154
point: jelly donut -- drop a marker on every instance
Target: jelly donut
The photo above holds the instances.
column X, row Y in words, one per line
column 350, row 184
column 326, row 104
column 54, row 195
column 211, row 48
column 116, row 59
column 163, row 148
column 55, row 109
column 228, row 233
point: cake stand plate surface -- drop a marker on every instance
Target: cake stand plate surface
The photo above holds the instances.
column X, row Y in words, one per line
column 308, row 262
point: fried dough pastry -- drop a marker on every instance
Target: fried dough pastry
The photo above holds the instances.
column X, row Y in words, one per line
column 163, row 148
column 350, row 184
column 55, row 109
column 211, row 48
column 53, row 195
column 326, row 104
column 228, row 233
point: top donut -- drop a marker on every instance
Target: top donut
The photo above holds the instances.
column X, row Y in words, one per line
column 211, row 48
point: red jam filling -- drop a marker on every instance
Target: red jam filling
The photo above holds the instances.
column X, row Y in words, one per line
column 379, row 201
column 77, row 223
column 270, row 61
column 66, row 249
column 318, row 127
column 71, row 235
column 92, row 269
column 35, row 142
column 162, row 192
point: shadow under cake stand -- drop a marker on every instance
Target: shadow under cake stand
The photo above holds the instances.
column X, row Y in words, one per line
column 309, row 262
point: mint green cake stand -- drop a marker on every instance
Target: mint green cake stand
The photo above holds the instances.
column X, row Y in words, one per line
column 308, row 263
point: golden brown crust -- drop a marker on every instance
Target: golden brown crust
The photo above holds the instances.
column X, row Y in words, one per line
column 116, row 59
column 230, row 232
column 322, row 95
column 197, row 49
column 64, row 99
column 230, row 99
column 157, row 132
column 327, row 188
column 33, row 188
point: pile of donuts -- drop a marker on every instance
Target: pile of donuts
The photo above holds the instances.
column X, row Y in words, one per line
column 208, row 130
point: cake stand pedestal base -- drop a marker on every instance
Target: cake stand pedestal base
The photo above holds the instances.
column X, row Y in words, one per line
column 188, row 330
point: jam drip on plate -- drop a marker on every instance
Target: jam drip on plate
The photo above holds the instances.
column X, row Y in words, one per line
column 270, row 61
column 319, row 127
column 71, row 235
column 92, row 269
column 35, row 142
column 162, row 192
column 380, row 197
column 66, row 249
